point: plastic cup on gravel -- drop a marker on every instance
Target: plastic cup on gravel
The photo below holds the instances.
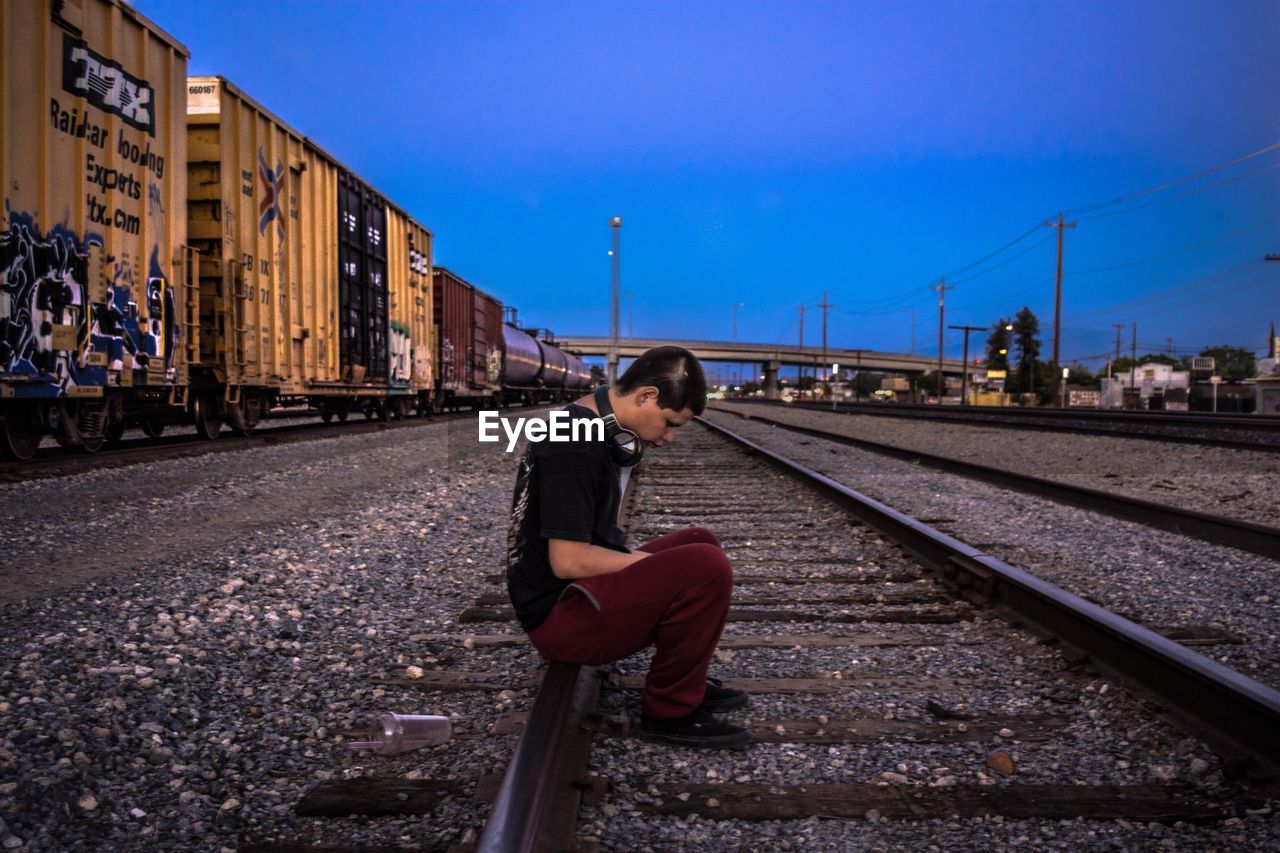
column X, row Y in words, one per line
column 396, row 733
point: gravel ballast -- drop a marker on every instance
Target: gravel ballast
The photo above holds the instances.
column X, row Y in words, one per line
column 1101, row 735
column 1152, row 577
column 1242, row 484
column 188, row 641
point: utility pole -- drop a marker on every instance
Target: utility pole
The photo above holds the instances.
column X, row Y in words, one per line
column 800, row 371
column 912, row 312
column 942, row 287
column 824, row 305
column 1133, row 359
column 1057, row 298
column 735, row 334
column 1119, row 329
column 1169, row 344
column 615, row 223
column 964, row 382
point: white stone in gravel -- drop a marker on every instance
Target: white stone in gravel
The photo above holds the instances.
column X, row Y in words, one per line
column 88, row 802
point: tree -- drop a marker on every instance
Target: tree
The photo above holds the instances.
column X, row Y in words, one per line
column 1081, row 376
column 999, row 342
column 866, row 383
column 927, row 383
column 1232, row 363
column 1026, row 328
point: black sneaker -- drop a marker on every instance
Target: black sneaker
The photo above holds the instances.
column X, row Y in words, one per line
column 699, row 730
column 719, row 699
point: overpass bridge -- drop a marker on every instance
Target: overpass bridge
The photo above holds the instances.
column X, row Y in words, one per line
column 770, row 357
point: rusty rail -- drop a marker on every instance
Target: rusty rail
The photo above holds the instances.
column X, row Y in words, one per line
column 1220, row 530
column 1238, row 715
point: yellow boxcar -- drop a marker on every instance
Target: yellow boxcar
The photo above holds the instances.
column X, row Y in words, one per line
column 411, row 376
column 262, row 211
column 94, row 316
column 312, row 285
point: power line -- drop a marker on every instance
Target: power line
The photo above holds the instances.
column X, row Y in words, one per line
column 1217, row 294
column 1015, row 241
column 1181, row 196
column 1150, row 190
column 1193, row 246
column 1010, row 260
column 1203, row 281
column 1076, row 211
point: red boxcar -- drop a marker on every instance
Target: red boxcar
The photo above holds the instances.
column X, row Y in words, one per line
column 469, row 340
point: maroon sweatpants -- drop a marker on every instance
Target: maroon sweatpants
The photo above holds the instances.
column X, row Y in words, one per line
column 676, row 599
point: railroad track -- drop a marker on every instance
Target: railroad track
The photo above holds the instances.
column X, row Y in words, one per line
column 896, row 675
column 59, row 462
column 1242, row 432
column 805, row 575
column 1218, row 529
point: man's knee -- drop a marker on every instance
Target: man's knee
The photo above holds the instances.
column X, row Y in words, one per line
column 703, row 535
column 707, row 564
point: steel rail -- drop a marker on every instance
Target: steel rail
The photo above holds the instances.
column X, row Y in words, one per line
column 1224, row 420
column 1234, row 713
column 522, row 811
column 1219, row 530
column 58, row 461
column 1024, row 420
column 526, row 786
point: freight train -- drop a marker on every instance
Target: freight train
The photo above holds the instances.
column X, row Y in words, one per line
column 173, row 252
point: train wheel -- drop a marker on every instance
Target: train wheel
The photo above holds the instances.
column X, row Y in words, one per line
column 92, row 445
column 208, row 421
column 18, row 438
column 240, row 421
column 152, row 429
column 326, row 415
column 115, row 431
column 343, row 414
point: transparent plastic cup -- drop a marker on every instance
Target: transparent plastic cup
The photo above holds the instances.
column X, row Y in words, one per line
column 396, row 733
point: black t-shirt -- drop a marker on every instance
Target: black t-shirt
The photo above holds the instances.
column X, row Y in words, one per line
column 564, row 490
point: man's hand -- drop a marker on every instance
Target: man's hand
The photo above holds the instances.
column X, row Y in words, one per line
column 572, row 560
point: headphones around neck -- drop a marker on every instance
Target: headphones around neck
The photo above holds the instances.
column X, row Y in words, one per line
column 625, row 447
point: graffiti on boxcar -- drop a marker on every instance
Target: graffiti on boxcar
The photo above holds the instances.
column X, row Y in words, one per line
column 401, row 353
column 269, row 207
column 42, row 286
column 45, row 285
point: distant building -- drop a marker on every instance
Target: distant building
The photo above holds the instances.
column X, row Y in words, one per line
column 1149, row 386
column 1270, row 366
column 1267, row 384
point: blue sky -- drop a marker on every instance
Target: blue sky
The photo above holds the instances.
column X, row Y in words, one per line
column 764, row 153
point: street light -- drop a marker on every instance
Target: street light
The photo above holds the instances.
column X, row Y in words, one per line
column 615, row 224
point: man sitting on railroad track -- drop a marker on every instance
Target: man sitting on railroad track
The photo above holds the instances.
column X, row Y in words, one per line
column 584, row 597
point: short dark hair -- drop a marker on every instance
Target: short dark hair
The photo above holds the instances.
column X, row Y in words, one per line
column 675, row 372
